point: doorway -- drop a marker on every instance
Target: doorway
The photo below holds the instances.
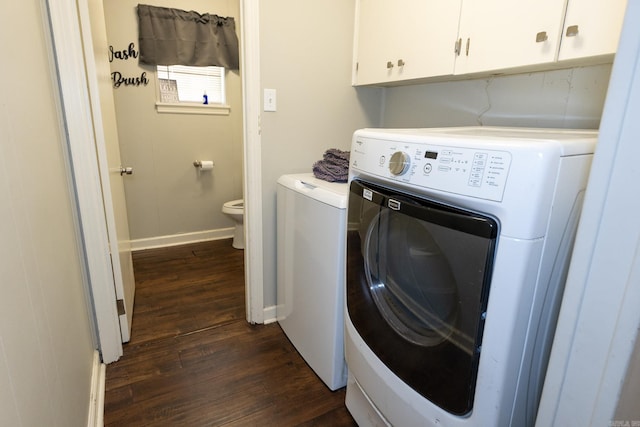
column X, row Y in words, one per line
column 66, row 34
column 169, row 200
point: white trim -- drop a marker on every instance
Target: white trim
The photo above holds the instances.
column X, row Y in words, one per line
column 269, row 315
column 95, row 416
column 192, row 108
column 355, row 41
column 250, row 68
column 181, row 239
column 85, row 174
column 101, row 394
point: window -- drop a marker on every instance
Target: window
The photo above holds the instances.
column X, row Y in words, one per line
column 187, row 94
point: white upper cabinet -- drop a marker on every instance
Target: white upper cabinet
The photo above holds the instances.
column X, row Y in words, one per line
column 404, row 39
column 503, row 34
column 591, row 28
column 412, row 40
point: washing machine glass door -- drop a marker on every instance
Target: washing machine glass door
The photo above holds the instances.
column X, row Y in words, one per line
column 418, row 275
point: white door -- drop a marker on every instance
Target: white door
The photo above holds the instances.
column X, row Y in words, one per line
column 499, row 34
column 75, row 70
column 591, row 28
column 404, row 40
column 112, row 173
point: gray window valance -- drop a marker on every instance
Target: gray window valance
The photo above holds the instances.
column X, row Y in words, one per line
column 177, row 37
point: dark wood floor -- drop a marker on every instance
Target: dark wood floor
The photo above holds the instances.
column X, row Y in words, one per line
column 193, row 360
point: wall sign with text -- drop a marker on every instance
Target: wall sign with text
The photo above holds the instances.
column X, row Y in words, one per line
column 123, row 55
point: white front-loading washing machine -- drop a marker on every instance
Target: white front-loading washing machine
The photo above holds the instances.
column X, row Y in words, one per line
column 458, row 243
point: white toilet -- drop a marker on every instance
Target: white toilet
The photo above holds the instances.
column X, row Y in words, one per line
column 235, row 209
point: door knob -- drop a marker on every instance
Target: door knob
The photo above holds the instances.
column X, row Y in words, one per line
column 541, row 37
column 572, row 31
column 127, row 171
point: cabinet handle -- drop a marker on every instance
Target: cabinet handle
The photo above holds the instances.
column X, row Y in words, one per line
column 468, row 41
column 541, row 37
column 400, row 63
column 572, row 31
column 458, row 47
column 389, row 64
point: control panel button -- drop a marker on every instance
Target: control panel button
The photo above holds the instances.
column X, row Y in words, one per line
column 399, row 163
column 466, row 170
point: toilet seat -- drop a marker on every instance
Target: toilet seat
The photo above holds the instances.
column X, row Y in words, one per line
column 233, row 207
column 235, row 210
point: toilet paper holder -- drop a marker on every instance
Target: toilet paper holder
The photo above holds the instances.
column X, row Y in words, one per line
column 203, row 164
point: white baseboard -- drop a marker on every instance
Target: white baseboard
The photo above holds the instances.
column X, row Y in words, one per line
column 96, row 397
column 181, row 239
column 270, row 315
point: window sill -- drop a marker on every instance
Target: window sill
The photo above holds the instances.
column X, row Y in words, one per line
column 193, row 108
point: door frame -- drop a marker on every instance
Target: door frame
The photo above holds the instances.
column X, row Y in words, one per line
column 250, row 69
column 84, row 156
column 85, row 164
column 92, row 22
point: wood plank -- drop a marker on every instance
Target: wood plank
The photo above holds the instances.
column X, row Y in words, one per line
column 193, row 360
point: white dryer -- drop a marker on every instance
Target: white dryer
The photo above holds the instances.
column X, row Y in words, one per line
column 311, row 227
column 457, row 252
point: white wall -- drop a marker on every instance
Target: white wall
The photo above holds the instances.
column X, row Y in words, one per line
column 306, row 50
column 46, row 347
column 166, row 195
column 570, row 98
column 627, row 408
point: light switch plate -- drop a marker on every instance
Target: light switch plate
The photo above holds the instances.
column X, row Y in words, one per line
column 269, row 100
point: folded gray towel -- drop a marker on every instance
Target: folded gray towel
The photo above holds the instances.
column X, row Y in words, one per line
column 337, row 156
column 334, row 166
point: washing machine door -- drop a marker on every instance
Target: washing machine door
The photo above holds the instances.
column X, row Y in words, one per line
column 418, row 279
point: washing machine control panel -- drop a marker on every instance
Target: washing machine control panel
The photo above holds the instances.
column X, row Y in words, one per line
column 399, row 163
column 476, row 172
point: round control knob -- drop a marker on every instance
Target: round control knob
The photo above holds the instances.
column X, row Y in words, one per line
column 399, row 163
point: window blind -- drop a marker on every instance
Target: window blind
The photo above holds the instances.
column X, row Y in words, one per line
column 194, row 82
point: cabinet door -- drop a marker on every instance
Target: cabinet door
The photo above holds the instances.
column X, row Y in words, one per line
column 503, row 34
column 404, row 39
column 591, row 28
